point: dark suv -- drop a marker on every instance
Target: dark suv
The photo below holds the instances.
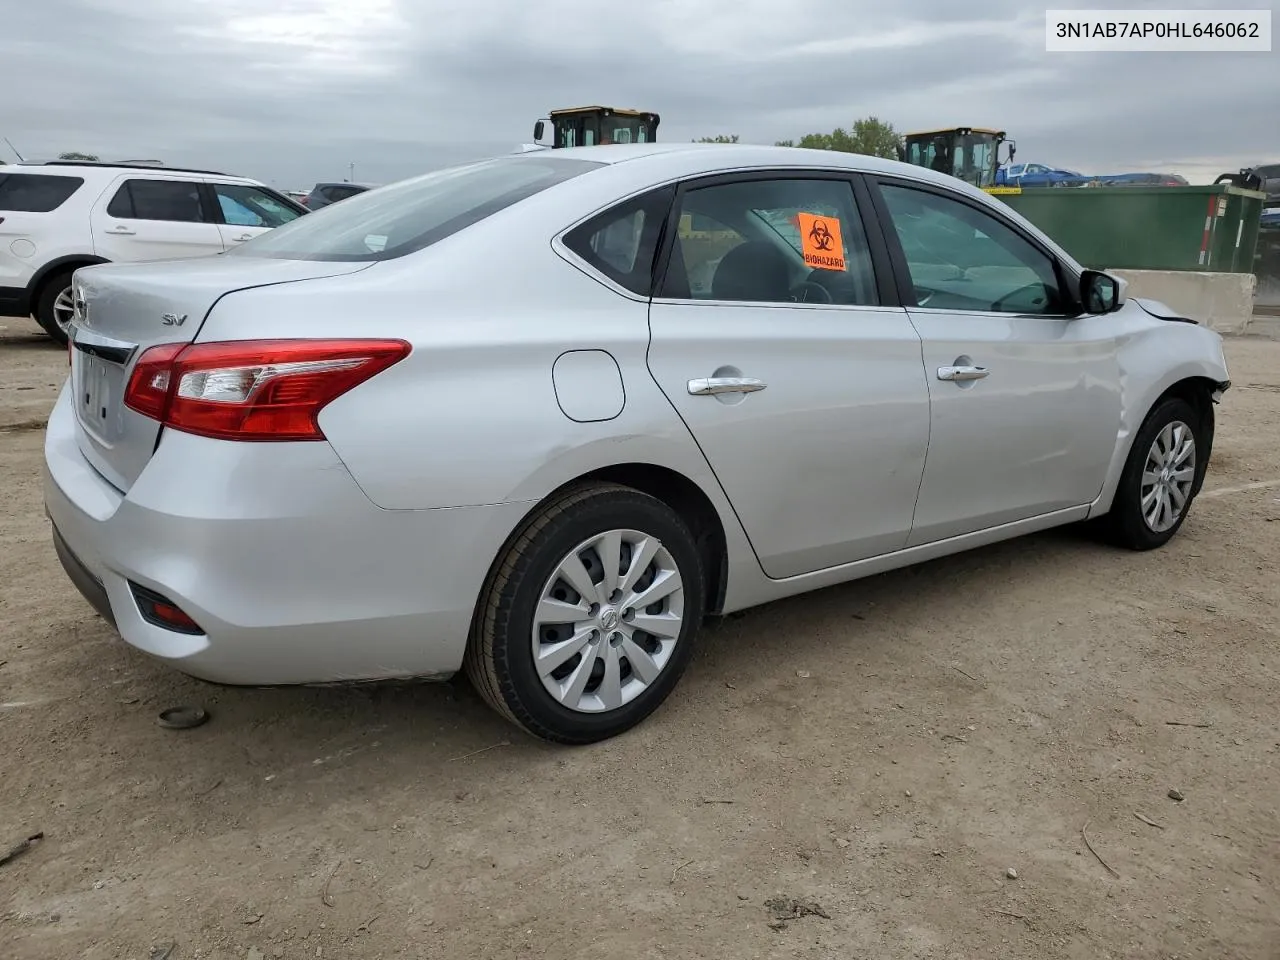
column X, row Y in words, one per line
column 323, row 194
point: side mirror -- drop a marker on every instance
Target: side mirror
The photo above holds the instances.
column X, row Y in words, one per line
column 1101, row 292
column 1013, row 149
column 539, row 129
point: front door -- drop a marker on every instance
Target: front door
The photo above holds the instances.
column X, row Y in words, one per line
column 803, row 391
column 245, row 211
column 1025, row 392
column 154, row 218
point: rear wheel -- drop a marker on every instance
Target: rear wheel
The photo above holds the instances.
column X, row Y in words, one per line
column 55, row 307
column 588, row 621
column 1160, row 478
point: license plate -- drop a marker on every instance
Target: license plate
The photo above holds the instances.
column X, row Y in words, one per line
column 95, row 389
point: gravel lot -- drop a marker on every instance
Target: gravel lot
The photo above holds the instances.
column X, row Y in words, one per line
column 886, row 750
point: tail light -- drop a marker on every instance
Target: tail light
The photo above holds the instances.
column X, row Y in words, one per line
column 253, row 389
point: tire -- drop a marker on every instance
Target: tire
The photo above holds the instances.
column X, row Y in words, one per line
column 500, row 659
column 46, row 316
column 1127, row 524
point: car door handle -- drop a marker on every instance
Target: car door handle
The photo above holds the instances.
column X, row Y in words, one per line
column 710, row 386
column 124, row 231
column 243, row 236
column 962, row 373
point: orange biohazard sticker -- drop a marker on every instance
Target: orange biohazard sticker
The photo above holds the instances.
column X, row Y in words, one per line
column 820, row 241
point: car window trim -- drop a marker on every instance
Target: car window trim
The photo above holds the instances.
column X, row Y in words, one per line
column 1068, row 281
column 209, row 197
column 882, row 276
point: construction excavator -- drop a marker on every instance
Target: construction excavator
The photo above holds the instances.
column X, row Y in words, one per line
column 590, row 126
column 971, row 154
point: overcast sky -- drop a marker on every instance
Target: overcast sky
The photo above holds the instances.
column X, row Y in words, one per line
column 292, row 91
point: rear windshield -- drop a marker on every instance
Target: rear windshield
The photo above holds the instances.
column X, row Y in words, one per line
column 35, row 192
column 398, row 219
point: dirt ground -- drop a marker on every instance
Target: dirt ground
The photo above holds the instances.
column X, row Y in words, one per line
column 890, row 750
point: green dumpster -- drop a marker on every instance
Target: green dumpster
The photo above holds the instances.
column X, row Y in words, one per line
column 1209, row 229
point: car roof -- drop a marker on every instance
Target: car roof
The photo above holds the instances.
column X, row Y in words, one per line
column 67, row 168
column 691, row 159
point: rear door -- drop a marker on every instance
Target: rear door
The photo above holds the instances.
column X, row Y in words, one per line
column 152, row 217
column 244, row 212
column 792, row 365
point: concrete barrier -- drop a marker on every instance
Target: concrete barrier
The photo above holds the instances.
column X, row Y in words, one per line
column 1221, row 301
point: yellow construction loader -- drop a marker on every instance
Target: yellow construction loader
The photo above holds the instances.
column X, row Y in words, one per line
column 972, row 154
column 589, row 126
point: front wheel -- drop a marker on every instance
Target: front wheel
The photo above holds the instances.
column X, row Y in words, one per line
column 588, row 620
column 1160, row 478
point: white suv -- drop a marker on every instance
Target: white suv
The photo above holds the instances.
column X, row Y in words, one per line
column 61, row 215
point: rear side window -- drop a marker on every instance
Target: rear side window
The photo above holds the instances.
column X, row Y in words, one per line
column 35, row 192
column 178, row 201
column 404, row 217
column 621, row 242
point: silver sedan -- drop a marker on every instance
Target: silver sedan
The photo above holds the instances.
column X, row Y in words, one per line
column 536, row 417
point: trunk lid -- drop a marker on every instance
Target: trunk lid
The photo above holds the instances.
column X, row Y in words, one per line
column 121, row 310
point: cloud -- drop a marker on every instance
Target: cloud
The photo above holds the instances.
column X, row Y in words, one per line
column 297, row 90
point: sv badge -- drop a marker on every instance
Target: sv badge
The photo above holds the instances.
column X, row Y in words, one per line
column 173, row 320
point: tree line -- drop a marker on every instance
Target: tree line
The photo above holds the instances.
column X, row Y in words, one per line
column 869, row 135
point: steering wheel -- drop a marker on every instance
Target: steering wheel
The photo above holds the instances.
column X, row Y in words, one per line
column 996, row 307
column 800, row 292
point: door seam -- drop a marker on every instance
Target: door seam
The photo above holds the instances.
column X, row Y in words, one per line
column 928, row 443
column 702, row 453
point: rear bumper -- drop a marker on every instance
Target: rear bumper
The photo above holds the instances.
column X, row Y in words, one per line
column 14, row 302
column 291, row 572
column 90, row 587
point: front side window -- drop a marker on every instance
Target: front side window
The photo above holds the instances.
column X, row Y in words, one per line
column 245, row 206
column 621, row 243
column 177, row 201
column 771, row 241
column 35, row 192
column 961, row 258
column 403, row 217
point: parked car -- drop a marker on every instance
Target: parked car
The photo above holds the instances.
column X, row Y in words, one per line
column 1037, row 175
column 481, row 420
column 1142, row 180
column 323, row 194
column 58, row 216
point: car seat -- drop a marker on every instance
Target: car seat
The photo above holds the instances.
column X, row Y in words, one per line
column 755, row 270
